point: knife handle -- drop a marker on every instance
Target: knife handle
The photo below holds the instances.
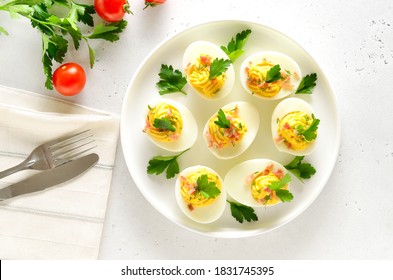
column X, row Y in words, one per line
column 21, row 166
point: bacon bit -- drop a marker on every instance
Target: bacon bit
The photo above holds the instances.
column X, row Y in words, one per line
column 191, row 191
column 287, row 86
column 263, row 85
column 278, row 139
column 190, row 207
column 205, row 60
column 147, row 125
column 267, row 190
column 250, row 178
column 169, row 113
column 236, row 110
column 286, row 126
column 279, row 173
column 262, row 200
column 175, row 136
column 209, row 138
column 269, row 167
column 183, row 179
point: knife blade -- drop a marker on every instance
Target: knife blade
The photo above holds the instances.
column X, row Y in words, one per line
column 51, row 177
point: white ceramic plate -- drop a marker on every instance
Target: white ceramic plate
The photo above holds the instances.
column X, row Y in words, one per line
column 138, row 150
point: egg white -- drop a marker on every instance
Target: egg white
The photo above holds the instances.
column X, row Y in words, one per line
column 189, row 132
column 206, row 214
column 194, row 50
column 235, row 181
column 284, row 107
column 249, row 114
column 285, row 62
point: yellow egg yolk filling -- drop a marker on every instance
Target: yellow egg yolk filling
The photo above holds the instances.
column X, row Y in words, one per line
column 219, row 137
column 165, row 113
column 189, row 190
column 198, row 76
column 289, row 128
column 259, row 186
column 256, row 80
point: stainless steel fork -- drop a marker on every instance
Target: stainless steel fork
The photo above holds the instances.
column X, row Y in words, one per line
column 54, row 153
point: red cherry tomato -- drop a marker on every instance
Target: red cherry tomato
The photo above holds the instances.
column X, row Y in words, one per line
column 111, row 10
column 69, row 79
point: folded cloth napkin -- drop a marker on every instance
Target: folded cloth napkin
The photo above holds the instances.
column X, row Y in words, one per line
column 63, row 222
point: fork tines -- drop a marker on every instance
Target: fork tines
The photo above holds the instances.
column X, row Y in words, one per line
column 69, row 147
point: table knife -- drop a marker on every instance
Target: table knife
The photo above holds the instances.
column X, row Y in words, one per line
column 51, row 177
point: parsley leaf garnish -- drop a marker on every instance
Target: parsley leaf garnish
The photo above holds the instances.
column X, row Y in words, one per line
column 307, row 84
column 311, row 132
column 234, row 49
column 222, row 121
column 242, row 212
column 299, row 169
column 158, row 164
column 284, row 195
column 218, row 66
column 273, row 74
column 171, row 80
column 206, row 188
column 164, row 123
column 277, row 186
column 109, row 32
column 2, row 30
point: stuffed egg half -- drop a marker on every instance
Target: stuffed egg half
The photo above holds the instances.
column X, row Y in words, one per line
column 197, row 64
column 231, row 130
column 258, row 182
column 294, row 127
column 170, row 125
column 270, row 75
column 200, row 194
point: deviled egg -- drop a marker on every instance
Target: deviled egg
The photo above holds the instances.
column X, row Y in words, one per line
column 198, row 61
column 170, row 125
column 200, row 194
column 270, row 75
column 294, row 127
column 231, row 130
column 258, row 182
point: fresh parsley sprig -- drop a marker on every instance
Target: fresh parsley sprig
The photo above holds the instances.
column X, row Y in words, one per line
column 57, row 30
column 218, row 66
column 299, row 169
column 311, row 132
column 274, row 74
column 164, row 124
column 242, row 212
column 207, row 188
column 277, row 186
column 307, row 84
column 171, row 80
column 234, row 49
column 222, row 120
column 159, row 164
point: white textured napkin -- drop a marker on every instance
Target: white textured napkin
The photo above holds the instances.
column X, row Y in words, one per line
column 63, row 222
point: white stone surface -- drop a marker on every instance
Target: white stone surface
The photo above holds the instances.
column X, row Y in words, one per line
column 353, row 43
